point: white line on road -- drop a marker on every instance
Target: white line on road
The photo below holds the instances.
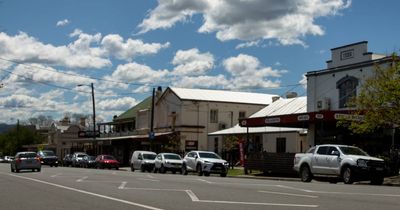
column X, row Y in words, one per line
column 81, row 179
column 122, row 186
column 152, row 180
column 192, row 196
column 289, row 194
column 208, row 182
column 88, row 193
column 56, row 175
column 151, row 177
column 114, row 173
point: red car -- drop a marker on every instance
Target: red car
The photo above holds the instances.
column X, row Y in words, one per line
column 107, row 161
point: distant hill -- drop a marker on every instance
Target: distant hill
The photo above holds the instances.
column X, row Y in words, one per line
column 5, row 127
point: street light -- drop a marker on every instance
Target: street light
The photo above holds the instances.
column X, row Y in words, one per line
column 94, row 114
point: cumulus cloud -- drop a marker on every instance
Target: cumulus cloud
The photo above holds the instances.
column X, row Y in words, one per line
column 36, row 73
column 201, row 82
column 62, row 22
column 192, row 62
column 284, row 20
column 124, row 103
column 137, row 73
column 115, row 45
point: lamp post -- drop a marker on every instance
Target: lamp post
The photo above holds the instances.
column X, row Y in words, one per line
column 94, row 115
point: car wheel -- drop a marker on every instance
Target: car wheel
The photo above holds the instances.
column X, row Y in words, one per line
column 116, row 168
column 38, row 170
column 174, row 171
column 377, row 180
column 162, row 169
column 206, row 173
column 16, row 170
column 142, row 169
column 347, row 175
column 184, row 170
column 12, row 170
column 132, row 169
column 222, row 174
column 199, row 170
column 305, row 174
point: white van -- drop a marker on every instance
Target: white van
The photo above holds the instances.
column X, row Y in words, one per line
column 143, row 160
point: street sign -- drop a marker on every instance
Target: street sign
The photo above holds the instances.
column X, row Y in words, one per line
column 151, row 135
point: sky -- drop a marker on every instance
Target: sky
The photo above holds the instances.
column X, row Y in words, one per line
column 51, row 51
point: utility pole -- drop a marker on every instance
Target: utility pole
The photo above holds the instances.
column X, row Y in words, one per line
column 94, row 120
column 151, row 134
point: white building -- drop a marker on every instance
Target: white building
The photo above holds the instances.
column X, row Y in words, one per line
column 193, row 113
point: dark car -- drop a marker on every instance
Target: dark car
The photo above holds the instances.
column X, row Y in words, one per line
column 67, row 160
column 25, row 161
column 89, row 161
column 47, row 157
column 107, row 161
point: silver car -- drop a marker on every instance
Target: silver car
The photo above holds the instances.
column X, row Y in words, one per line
column 168, row 162
column 26, row 161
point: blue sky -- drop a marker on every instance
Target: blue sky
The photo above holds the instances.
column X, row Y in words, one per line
column 128, row 47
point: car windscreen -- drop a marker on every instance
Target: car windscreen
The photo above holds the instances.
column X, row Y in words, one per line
column 208, row 155
column 172, row 157
column 27, row 155
column 48, row 153
column 149, row 156
column 353, row 151
column 81, row 155
column 91, row 157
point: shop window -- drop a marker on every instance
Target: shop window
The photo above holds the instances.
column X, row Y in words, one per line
column 242, row 115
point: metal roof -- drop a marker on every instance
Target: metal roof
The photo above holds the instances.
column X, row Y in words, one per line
column 223, row 96
column 243, row 130
column 283, row 106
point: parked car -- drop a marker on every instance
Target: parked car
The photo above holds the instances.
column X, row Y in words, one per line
column 77, row 159
column 204, row 162
column 106, row 161
column 25, row 161
column 168, row 162
column 47, row 157
column 67, row 160
column 347, row 162
column 142, row 160
column 8, row 159
column 89, row 161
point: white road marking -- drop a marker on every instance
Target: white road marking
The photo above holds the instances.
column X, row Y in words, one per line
column 114, row 173
column 151, row 177
column 81, row 179
column 192, row 196
column 52, row 176
column 88, row 193
column 208, row 182
column 260, row 204
column 122, row 186
column 152, row 180
column 289, row 194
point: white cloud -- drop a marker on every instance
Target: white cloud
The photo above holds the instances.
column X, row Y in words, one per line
column 62, row 22
column 36, row 73
column 137, row 73
column 201, row 82
column 115, row 45
column 192, row 62
column 26, row 49
column 284, row 20
column 124, row 103
column 248, row 44
column 303, row 81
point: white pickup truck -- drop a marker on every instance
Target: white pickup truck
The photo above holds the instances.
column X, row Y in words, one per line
column 347, row 162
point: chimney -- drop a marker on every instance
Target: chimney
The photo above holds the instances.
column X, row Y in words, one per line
column 275, row 98
column 291, row 95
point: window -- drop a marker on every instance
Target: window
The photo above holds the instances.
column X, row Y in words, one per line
column 242, row 115
column 332, row 151
column 216, row 145
column 347, row 89
column 281, row 145
column 322, row 150
column 214, row 116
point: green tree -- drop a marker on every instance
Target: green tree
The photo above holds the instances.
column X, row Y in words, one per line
column 378, row 101
column 13, row 140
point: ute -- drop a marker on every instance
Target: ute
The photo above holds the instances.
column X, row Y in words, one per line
column 346, row 162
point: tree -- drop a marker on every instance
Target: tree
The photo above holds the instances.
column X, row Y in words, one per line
column 378, row 101
column 13, row 140
column 229, row 144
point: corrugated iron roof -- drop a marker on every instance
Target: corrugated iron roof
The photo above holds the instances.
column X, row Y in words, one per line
column 242, row 130
column 284, row 106
column 223, row 96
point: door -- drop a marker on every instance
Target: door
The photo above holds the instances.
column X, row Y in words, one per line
column 334, row 161
column 319, row 161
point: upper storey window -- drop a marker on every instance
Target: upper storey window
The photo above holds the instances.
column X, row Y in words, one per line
column 347, row 89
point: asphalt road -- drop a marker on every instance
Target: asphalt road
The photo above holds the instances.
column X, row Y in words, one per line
column 77, row 188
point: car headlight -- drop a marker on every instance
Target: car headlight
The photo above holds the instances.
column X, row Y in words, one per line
column 226, row 163
column 362, row 163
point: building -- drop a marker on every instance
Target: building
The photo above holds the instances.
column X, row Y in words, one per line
column 269, row 138
column 328, row 91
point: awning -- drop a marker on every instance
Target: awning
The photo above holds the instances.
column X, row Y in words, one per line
column 298, row 120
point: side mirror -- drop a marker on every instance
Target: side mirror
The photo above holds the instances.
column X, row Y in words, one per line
column 195, row 156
